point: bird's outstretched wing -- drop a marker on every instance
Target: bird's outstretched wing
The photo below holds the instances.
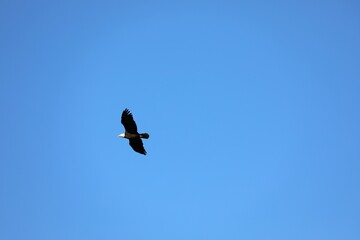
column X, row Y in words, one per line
column 128, row 121
column 137, row 145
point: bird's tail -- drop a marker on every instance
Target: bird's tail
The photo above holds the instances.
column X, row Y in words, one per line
column 144, row 135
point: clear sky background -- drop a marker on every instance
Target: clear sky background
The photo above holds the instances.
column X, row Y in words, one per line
column 252, row 109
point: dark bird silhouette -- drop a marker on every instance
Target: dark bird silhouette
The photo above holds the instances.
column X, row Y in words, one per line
column 131, row 132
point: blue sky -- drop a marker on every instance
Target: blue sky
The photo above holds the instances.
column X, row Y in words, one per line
column 252, row 108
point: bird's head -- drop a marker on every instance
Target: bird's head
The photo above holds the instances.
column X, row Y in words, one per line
column 121, row 135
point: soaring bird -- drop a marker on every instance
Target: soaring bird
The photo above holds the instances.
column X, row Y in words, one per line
column 131, row 132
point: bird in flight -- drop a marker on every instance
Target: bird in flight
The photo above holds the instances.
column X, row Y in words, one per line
column 131, row 132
